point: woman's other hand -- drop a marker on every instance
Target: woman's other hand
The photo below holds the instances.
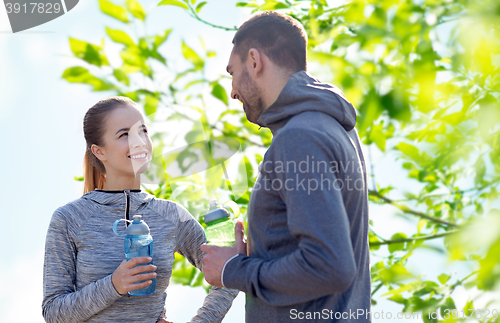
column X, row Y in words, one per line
column 127, row 274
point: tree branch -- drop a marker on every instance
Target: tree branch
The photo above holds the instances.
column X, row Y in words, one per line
column 195, row 16
column 238, row 137
column 460, row 282
column 408, row 210
column 427, row 237
column 377, row 288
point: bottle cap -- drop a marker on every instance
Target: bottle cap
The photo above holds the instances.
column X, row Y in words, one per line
column 212, row 203
column 137, row 226
column 215, row 212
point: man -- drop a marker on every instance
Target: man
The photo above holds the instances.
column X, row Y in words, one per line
column 308, row 255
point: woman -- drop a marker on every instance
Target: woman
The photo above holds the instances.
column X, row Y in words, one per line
column 85, row 277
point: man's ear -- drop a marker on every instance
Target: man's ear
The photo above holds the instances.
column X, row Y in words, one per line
column 255, row 62
column 99, row 152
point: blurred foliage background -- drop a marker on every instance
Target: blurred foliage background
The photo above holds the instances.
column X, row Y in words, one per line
column 424, row 76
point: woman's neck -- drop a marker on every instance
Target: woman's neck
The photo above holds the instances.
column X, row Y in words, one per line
column 113, row 184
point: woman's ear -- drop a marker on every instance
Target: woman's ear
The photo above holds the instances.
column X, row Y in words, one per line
column 255, row 62
column 99, row 152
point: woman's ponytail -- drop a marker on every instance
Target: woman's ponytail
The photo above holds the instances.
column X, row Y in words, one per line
column 93, row 177
column 94, row 172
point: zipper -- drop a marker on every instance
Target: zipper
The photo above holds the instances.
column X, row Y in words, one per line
column 127, row 206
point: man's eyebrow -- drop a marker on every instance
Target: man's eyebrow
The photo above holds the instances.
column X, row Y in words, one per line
column 127, row 129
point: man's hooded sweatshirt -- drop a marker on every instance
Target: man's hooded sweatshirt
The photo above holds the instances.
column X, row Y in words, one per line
column 82, row 252
column 308, row 213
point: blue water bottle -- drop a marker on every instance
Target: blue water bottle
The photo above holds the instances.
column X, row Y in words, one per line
column 138, row 243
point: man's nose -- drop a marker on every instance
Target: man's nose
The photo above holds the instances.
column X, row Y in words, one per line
column 234, row 95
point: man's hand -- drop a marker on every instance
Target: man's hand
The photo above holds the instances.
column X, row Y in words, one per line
column 216, row 257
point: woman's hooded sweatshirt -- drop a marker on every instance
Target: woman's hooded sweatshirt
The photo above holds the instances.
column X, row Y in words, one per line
column 82, row 252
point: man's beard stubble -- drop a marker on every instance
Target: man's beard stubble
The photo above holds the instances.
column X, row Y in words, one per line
column 251, row 97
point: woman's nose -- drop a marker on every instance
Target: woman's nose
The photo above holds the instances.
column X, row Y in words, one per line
column 136, row 142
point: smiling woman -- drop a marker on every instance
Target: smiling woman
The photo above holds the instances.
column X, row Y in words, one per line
column 85, row 278
column 115, row 132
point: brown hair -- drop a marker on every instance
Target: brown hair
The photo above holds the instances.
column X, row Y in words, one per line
column 94, row 172
column 280, row 37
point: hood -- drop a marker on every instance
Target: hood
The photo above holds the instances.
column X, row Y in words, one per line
column 115, row 201
column 304, row 92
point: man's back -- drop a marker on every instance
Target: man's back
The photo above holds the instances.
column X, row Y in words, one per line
column 308, row 213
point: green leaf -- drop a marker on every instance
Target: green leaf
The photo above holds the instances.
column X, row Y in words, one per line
column 151, row 104
column 182, row 271
column 396, row 103
column 480, row 169
column 90, row 53
column 200, row 5
column 174, row 3
column 79, row 74
column 377, row 136
column 273, row 5
column 133, row 56
column 469, row 305
column 409, row 150
column 161, row 38
column 421, row 224
column 246, row 4
column 135, row 8
column 134, row 60
column 191, row 56
column 443, row 278
column 193, row 83
column 119, row 36
column 220, row 93
column 397, row 246
column 371, row 239
column 113, row 10
column 78, row 178
column 121, row 76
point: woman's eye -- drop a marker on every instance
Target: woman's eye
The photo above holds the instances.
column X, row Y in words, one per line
column 125, row 133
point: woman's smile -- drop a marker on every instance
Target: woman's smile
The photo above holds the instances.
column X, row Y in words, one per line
column 142, row 155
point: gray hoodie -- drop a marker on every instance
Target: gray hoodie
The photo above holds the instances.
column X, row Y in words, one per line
column 308, row 213
column 81, row 253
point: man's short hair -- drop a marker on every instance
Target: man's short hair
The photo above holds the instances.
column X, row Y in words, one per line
column 280, row 37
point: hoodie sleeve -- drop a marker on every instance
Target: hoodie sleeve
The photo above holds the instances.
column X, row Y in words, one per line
column 190, row 236
column 323, row 263
column 61, row 303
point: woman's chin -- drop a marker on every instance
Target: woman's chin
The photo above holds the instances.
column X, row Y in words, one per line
column 141, row 169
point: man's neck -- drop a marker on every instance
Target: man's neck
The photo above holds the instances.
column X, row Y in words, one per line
column 273, row 86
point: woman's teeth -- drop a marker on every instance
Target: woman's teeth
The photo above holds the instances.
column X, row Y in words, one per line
column 138, row 156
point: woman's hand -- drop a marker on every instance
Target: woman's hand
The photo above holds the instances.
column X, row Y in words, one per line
column 126, row 275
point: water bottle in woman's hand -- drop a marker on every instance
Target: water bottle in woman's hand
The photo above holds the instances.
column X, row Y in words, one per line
column 220, row 228
column 138, row 243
